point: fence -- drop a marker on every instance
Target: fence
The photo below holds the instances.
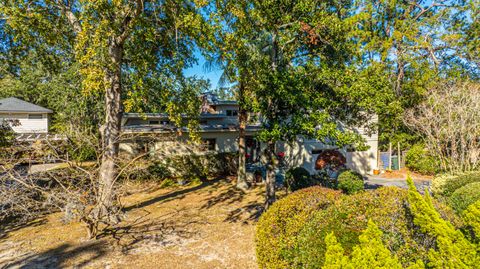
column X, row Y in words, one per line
column 384, row 160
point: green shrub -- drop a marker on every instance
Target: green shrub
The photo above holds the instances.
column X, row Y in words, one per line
column 277, row 228
column 350, row 182
column 452, row 249
column 159, row 171
column 446, row 185
column 465, row 196
column 348, row 217
column 297, row 178
column 202, row 165
column 471, row 217
column 418, row 160
column 323, row 179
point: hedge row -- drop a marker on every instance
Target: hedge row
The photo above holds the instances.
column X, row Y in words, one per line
column 291, row 234
column 192, row 166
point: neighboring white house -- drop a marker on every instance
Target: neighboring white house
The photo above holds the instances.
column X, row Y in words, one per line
column 219, row 131
column 28, row 118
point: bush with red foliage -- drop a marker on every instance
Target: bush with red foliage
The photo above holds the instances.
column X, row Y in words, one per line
column 331, row 159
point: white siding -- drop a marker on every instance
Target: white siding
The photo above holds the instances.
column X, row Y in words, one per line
column 299, row 153
column 27, row 125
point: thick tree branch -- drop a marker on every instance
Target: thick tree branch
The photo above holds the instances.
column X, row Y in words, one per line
column 128, row 20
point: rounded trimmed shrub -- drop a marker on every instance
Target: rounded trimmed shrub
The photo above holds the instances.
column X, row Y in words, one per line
column 446, row 185
column 350, row 182
column 418, row 160
column 348, row 217
column 279, row 226
column 465, row 196
column 297, row 178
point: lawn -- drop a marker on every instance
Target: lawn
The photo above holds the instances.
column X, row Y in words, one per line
column 210, row 225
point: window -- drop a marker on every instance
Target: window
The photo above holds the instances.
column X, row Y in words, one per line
column 35, row 116
column 165, row 122
column 153, row 122
column 209, row 143
column 232, row 113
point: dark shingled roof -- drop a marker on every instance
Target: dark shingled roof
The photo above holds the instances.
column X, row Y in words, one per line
column 13, row 104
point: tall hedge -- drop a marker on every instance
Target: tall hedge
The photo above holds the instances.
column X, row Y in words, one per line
column 278, row 228
column 348, row 217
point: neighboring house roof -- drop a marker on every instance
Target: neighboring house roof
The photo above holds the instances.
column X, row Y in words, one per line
column 13, row 104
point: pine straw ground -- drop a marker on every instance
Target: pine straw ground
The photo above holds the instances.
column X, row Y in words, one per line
column 210, row 225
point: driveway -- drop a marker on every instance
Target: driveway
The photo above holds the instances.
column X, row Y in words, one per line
column 373, row 182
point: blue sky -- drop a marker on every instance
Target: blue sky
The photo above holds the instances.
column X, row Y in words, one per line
column 199, row 71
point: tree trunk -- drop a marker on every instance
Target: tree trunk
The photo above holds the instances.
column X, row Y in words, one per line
column 242, row 151
column 110, row 134
column 270, row 180
column 270, row 151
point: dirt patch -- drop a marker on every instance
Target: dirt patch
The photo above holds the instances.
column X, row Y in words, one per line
column 403, row 173
column 205, row 226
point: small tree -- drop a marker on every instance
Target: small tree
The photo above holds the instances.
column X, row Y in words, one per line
column 370, row 253
column 449, row 121
column 6, row 132
column 453, row 250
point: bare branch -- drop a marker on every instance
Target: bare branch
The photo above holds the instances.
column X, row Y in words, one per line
column 449, row 121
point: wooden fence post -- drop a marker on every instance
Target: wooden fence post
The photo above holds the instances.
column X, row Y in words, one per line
column 390, row 156
column 399, row 156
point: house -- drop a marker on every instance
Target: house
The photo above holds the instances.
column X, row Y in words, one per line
column 219, row 132
column 25, row 117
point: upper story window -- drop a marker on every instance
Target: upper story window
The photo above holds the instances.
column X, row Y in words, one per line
column 232, row 113
column 158, row 122
column 35, row 116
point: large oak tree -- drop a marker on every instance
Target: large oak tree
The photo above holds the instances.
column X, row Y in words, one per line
column 110, row 41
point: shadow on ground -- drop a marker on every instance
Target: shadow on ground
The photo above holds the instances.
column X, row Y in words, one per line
column 13, row 225
column 234, row 198
column 56, row 257
column 179, row 194
column 159, row 233
column 246, row 214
